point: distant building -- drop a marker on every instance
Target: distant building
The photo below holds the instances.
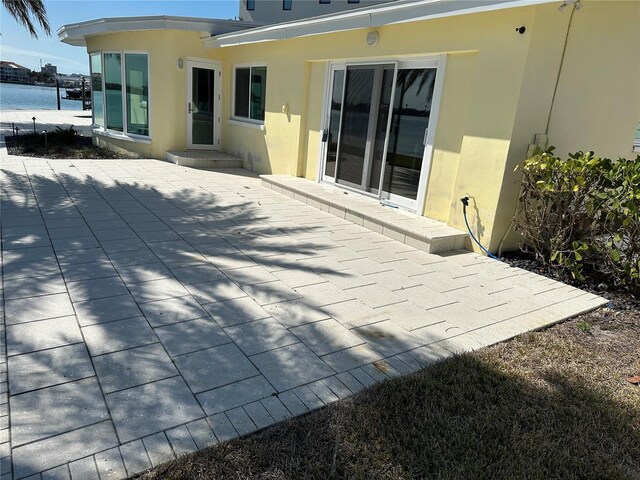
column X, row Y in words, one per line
column 12, row 72
column 276, row 11
column 50, row 69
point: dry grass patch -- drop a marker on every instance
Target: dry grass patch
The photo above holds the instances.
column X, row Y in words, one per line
column 552, row 404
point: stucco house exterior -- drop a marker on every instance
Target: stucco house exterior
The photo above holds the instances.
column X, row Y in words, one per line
column 418, row 103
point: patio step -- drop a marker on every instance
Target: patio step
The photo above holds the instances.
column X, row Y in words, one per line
column 204, row 159
column 417, row 231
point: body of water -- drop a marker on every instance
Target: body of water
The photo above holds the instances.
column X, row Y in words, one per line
column 33, row 97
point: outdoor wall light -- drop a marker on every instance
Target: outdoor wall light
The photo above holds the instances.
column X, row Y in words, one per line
column 180, row 63
column 373, row 38
column 563, row 7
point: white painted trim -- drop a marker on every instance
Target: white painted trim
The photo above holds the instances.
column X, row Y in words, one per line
column 77, row 33
column 636, row 149
column 93, row 115
column 371, row 17
column 244, row 122
column 121, row 136
column 425, row 172
column 324, row 120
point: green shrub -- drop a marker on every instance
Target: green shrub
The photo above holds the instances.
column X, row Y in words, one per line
column 583, row 213
column 63, row 136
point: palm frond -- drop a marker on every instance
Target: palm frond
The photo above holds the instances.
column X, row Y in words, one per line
column 28, row 13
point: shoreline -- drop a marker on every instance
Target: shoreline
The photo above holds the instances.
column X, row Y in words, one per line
column 53, row 85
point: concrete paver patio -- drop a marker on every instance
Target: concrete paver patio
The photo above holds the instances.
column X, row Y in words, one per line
column 150, row 310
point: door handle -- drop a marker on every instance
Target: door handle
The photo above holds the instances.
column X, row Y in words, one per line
column 189, row 107
column 426, row 134
column 325, row 135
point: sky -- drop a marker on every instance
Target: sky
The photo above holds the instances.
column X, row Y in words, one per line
column 16, row 44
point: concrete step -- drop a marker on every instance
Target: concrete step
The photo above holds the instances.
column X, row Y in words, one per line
column 431, row 236
column 204, row 159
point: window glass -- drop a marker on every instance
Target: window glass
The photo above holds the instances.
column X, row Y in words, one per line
column 137, row 88
column 113, row 90
column 250, row 92
column 636, row 142
column 96, row 89
column 258, row 92
column 251, row 4
column 286, row 4
column 242, row 92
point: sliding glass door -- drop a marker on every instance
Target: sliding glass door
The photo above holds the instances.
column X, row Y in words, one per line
column 377, row 129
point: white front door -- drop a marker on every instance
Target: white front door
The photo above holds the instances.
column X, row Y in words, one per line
column 203, row 105
column 379, row 128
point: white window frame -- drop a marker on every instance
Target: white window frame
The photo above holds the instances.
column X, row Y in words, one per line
column 236, row 120
column 438, row 62
column 93, row 115
column 124, row 135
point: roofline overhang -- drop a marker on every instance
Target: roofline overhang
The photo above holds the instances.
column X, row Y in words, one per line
column 77, row 33
column 401, row 11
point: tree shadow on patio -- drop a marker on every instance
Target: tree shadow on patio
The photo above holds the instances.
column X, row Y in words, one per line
column 103, row 246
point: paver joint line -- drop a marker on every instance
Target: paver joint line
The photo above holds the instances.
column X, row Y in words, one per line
column 163, row 309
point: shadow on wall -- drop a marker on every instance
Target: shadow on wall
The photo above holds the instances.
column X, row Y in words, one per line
column 121, row 247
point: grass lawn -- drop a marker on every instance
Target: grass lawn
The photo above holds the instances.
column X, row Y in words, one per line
column 551, row 404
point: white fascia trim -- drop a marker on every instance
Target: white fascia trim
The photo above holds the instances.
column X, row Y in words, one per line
column 377, row 16
column 76, row 34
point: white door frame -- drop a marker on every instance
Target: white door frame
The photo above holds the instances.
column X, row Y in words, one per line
column 439, row 63
column 217, row 92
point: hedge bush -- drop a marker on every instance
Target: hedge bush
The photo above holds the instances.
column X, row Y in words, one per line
column 583, row 214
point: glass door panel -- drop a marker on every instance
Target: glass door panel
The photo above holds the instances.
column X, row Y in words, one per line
column 413, row 98
column 333, row 130
column 202, row 106
column 356, row 112
column 382, row 125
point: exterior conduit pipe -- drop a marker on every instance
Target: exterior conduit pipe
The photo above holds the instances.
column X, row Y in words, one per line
column 553, row 101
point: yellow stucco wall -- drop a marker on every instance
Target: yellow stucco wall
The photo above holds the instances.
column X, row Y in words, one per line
column 486, row 60
column 498, row 86
column 167, row 87
column 597, row 105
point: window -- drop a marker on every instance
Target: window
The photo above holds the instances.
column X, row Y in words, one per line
column 251, row 4
column 286, row 4
column 250, row 92
column 136, row 75
column 120, row 92
column 113, row 90
column 97, row 105
column 636, row 141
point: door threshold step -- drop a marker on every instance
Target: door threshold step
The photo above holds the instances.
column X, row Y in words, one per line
column 204, row 159
column 426, row 234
